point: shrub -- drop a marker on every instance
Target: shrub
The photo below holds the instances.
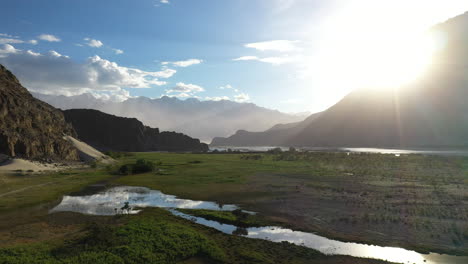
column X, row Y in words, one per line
column 142, row 166
column 124, row 170
column 275, row 151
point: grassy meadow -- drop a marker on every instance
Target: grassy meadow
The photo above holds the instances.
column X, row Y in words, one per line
column 417, row 202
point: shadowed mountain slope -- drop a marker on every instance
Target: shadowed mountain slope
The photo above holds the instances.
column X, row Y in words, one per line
column 109, row 132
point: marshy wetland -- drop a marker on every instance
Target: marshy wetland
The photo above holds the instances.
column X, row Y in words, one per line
column 414, row 202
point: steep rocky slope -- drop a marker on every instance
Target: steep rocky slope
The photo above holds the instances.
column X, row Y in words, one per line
column 30, row 128
column 109, row 132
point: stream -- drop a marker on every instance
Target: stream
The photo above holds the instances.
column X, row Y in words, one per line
column 124, row 200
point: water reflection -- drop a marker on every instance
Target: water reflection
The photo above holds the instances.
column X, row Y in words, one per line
column 115, row 199
column 437, row 152
column 113, row 202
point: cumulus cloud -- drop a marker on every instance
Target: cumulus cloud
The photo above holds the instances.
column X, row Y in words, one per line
column 229, row 87
column 241, row 98
column 164, row 1
column 217, row 98
column 94, row 43
column 33, row 41
column 184, row 63
column 118, row 51
column 7, row 49
column 54, row 73
column 274, row 45
column 186, row 88
column 48, row 37
column 272, row 60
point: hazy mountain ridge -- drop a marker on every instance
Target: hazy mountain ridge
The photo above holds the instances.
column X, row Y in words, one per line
column 430, row 112
column 108, row 132
column 200, row 119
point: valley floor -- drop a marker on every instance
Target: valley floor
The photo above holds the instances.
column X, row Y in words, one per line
column 412, row 201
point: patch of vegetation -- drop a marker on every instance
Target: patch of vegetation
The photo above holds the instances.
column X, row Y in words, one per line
column 251, row 157
column 156, row 236
column 140, row 166
column 236, row 217
column 118, row 154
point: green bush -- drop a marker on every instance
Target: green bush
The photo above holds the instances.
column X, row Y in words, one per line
column 142, row 166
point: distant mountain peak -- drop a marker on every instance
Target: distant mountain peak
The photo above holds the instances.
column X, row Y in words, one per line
column 196, row 118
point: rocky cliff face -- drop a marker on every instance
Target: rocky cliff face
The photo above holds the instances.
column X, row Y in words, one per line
column 109, row 132
column 30, row 128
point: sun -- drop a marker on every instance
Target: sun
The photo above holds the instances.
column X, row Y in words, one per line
column 390, row 61
column 378, row 44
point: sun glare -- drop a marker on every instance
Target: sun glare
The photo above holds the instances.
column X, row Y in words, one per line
column 380, row 44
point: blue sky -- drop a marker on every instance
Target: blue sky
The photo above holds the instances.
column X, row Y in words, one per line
column 261, row 51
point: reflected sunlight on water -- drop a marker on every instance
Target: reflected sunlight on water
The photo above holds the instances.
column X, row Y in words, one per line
column 112, row 202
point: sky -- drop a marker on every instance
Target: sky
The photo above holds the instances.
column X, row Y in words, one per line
column 290, row 55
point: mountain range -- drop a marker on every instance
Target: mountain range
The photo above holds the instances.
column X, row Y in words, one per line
column 200, row 119
column 429, row 112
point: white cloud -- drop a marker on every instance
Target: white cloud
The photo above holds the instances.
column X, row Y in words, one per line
column 272, row 60
column 7, row 35
column 164, row 2
column 216, row 98
column 94, row 43
column 53, row 53
column 7, row 49
column 274, row 45
column 241, row 98
column 186, row 88
column 10, row 41
column 246, row 58
column 33, row 42
column 48, row 37
column 115, row 96
column 184, row 63
column 32, row 53
column 227, row 86
column 54, row 73
column 118, row 51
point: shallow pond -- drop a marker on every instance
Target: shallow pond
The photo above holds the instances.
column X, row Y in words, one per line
column 113, row 201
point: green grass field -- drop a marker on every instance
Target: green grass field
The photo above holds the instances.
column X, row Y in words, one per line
column 418, row 202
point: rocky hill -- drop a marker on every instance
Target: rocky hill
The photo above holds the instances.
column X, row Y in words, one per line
column 30, row 128
column 108, row 132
